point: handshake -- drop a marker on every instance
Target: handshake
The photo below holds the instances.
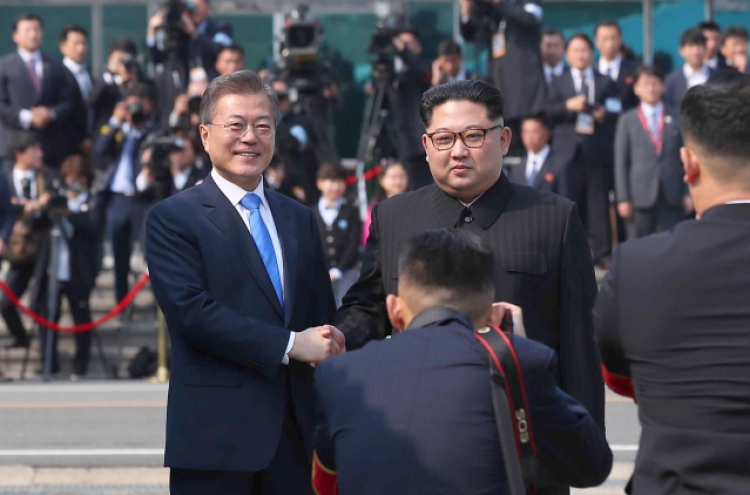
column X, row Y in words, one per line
column 317, row 344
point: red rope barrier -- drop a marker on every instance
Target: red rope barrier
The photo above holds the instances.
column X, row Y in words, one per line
column 369, row 175
column 86, row 327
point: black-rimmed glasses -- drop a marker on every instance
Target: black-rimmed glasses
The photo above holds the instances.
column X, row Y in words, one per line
column 472, row 138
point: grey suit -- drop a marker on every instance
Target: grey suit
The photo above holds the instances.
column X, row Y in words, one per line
column 651, row 181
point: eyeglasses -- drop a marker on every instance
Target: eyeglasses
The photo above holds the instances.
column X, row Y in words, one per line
column 472, row 138
column 237, row 130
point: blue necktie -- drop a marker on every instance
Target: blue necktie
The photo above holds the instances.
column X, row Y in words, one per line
column 531, row 174
column 262, row 239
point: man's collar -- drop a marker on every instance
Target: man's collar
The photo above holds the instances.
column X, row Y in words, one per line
column 20, row 174
column 615, row 63
column 71, row 64
column 541, row 156
column 324, row 205
column 689, row 72
column 235, row 193
column 650, row 109
column 26, row 56
column 437, row 315
column 485, row 210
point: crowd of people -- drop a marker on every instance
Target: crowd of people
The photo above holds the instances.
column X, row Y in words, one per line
column 506, row 188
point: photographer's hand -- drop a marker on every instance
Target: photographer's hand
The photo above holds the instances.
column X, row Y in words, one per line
column 188, row 26
column 399, row 44
column 120, row 113
column 465, row 8
column 153, row 24
column 180, row 105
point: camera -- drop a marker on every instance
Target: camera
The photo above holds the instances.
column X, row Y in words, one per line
column 482, row 17
column 194, row 105
column 171, row 35
column 161, row 147
column 129, row 62
column 137, row 112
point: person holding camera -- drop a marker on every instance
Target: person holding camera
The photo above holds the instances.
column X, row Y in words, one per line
column 119, row 142
column 184, row 115
column 28, row 186
column 80, row 217
column 202, row 38
column 170, row 164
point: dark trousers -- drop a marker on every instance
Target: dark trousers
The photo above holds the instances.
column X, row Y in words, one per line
column 124, row 224
column 18, row 278
column 661, row 216
column 593, row 199
column 289, row 472
column 78, row 301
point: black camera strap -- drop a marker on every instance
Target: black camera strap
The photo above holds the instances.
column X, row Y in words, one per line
column 511, row 410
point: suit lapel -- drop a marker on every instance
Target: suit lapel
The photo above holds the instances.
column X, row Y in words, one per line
column 23, row 71
column 288, row 240
column 543, row 171
column 570, row 86
column 223, row 214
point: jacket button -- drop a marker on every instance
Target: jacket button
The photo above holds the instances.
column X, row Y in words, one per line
column 329, row 238
column 468, row 219
column 332, row 251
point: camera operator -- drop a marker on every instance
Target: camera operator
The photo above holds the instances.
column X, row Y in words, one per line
column 512, row 30
column 119, row 141
column 170, row 164
column 184, row 115
column 201, row 40
column 81, row 215
column 413, row 76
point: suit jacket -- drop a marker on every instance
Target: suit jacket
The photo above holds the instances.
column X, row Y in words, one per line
column 676, row 85
column 519, row 72
column 684, row 354
column 597, row 147
column 17, row 92
column 542, row 263
column 625, row 82
column 553, row 176
column 409, row 86
column 640, row 173
column 102, row 100
column 7, row 215
column 341, row 240
column 426, row 420
column 78, row 124
column 108, row 145
column 228, row 330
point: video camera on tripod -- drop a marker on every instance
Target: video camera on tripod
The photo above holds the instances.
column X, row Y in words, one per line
column 171, row 34
column 482, row 17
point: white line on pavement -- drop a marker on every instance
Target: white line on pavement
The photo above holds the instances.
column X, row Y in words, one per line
column 78, row 452
column 71, row 388
column 620, row 448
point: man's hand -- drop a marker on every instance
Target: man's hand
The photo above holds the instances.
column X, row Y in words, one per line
column 599, row 114
column 577, row 103
column 180, row 105
column 40, row 117
column 687, row 204
column 153, row 24
column 437, row 72
column 465, row 6
column 120, row 112
column 399, row 44
column 499, row 309
column 625, row 209
column 317, row 344
column 2, row 247
column 188, row 26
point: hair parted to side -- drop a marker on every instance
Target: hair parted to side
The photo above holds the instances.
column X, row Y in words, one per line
column 244, row 82
column 21, row 141
column 716, row 117
column 27, row 17
column 452, row 268
column 474, row 91
column 692, row 36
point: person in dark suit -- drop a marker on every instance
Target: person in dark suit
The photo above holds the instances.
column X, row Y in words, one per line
column 450, row 443
column 542, row 168
column 612, row 63
column 108, row 88
column 544, row 265
column 28, row 185
column 712, row 31
column 552, row 48
column 77, row 262
column 203, row 38
column 648, row 172
column 7, row 216
column 119, row 141
column 340, row 228
column 35, row 93
column 74, row 47
column 515, row 56
column 692, row 73
column 240, row 274
column 734, row 48
column 449, row 64
column 680, row 347
column 584, row 106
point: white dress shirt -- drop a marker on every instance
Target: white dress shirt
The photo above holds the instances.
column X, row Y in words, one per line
column 234, row 194
column 534, row 161
column 18, row 176
column 610, row 68
column 550, row 72
column 24, row 116
column 82, row 77
column 695, row 77
column 329, row 212
column 588, row 74
column 713, row 63
column 123, row 181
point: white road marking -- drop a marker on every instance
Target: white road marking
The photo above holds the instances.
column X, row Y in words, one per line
column 79, row 452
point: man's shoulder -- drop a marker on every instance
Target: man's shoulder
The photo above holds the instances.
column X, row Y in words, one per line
column 674, row 76
column 289, row 205
column 181, row 202
column 532, row 197
column 396, row 204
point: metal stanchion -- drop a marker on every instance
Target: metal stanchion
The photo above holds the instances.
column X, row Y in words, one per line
column 162, row 373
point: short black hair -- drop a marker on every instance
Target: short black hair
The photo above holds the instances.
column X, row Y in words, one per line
column 141, row 89
column 454, row 266
column 607, row 23
column 709, row 26
column 580, row 36
column 477, row 91
column 554, row 32
column 449, row 47
column 540, row 117
column 73, row 28
column 21, row 141
column 27, row 17
column 124, row 45
column 649, row 70
column 234, row 47
column 734, row 32
column 716, row 116
column 692, row 36
column 331, row 171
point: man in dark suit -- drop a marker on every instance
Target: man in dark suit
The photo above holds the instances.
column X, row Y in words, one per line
column 584, row 105
column 673, row 321
column 552, row 48
column 648, row 172
column 35, row 93
column 240, row 274
column 449, row 64
column 203, row 38
column 712, row 31
column 608, row 40
column 692, row 73
column 450, row 442
column 734, row 48
column 544, row 265
column 74, row 47
column 513, row 31
column 7, row 217
column 108, row 88
column 119, row 142
column 542, row 168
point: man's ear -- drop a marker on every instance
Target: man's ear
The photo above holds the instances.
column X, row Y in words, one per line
column 505, row 138
column 394, row 305
column 204, row 136
column 690, row 164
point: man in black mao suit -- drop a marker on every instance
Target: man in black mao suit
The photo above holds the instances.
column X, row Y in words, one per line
column 543, row 262
column 35, row 94
column 397, row 419
column 584, row 106
column 673, row 320
column 240, row 275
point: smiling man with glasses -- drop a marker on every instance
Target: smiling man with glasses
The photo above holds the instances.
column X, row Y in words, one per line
column 543, row 261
